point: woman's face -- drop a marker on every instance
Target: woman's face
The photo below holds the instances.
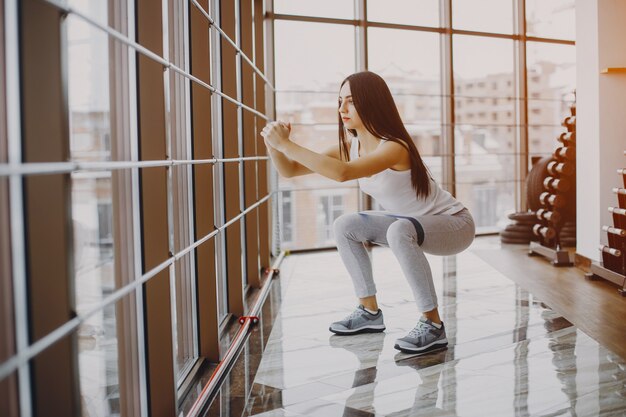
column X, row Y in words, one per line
column 350, row 117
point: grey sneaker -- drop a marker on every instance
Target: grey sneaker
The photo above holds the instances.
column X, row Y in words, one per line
column 423, row 338
column 359, row 321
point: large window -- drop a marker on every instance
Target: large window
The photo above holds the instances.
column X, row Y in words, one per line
column 551, row 93
column 142, row 136
column 483, row 16
column 330, row 207
column 92, row 217
column 412, row 70
column 551, row 19
column 343, row 9
column 456, row 78
column 307, row 88
column 407, row 12
column 484, row 145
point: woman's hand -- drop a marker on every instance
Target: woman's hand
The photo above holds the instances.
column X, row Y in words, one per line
column 276, row 135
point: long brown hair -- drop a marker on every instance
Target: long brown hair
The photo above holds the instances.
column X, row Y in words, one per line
column 379, row 114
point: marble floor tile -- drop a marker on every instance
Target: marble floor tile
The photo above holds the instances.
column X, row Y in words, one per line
column 321, row 408
column 280, row 412
column 603, row 403
column 509, row 353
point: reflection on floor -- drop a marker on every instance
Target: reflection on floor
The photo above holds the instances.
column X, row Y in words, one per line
column 509, row 354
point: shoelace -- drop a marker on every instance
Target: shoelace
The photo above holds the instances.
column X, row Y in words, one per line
column 356, row 313
column 418, row 330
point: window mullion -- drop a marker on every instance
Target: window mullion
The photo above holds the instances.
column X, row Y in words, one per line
column 521, row 105
column 447, row 99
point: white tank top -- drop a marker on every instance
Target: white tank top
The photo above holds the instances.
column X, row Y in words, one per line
column 393, row 190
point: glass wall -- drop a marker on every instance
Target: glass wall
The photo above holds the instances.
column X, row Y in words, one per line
column 406, row 12
column 551, row 93
column 92, row 214
column 307, row 88
column 412, row 70
column 420, row 54
column 142, row 136
column 485, row 127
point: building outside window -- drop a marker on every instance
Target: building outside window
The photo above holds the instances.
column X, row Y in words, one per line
column 330, row 207
column 286, row 214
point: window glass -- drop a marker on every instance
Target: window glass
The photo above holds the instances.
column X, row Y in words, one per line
column 308, row 80
column 551, row 71
column 411, row 66
column 551, row 19
column 405, row 12
column 341, row 9
column 330, row 207
column 483, row 15
column 312, row 214
column 287, row 216
column 88, row 86
column 178, row 114
column 551, row 85
column 91, row 8
column 300, row 214
column 92, row 214
column 485, row 124
column 313, row 56
column 415, row 82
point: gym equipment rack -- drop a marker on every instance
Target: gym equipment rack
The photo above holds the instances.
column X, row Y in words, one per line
column 613, row 265
column 556, row 219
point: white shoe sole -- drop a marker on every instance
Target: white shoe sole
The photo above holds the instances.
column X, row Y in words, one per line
column 376, row 328
column 410, row 348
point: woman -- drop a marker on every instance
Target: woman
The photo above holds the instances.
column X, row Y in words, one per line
column 419, row 217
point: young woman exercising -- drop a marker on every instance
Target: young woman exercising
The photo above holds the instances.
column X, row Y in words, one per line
column 419, row 217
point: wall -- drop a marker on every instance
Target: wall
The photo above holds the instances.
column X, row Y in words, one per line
column 601, row 117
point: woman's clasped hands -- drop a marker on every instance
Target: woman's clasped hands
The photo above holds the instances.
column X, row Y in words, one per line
column 276, row 135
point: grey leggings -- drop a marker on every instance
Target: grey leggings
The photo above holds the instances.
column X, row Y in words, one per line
column 409, row 239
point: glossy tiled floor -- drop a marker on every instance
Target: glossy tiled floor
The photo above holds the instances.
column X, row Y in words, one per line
column 509, row 354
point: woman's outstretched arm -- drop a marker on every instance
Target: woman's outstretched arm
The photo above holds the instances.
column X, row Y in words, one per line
column 285, row 166
column 289, row 168
column 386, row 156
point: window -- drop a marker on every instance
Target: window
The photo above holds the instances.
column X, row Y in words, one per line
column 407, row 12
column 485, row 203
column 329, row 209
column 92, row 214
column 299, row 68
column 473, row 15
column 307, row 89
column 415, row 82
column 481, row 145
column 551, row 19
column 105, row 227
column 343, row 9
column 551, row 97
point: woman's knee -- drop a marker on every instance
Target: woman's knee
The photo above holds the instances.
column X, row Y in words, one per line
column 345, row 223
column 400, row 232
